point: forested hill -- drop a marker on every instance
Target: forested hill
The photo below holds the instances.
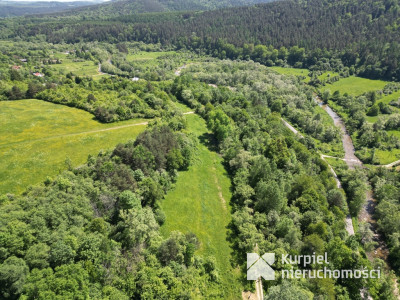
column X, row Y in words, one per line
column 128, row 7
column 352, row 36
column 12, row 9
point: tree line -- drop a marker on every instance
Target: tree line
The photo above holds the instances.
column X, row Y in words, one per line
column 285, row 199
column 359, row 36
column 94, row 231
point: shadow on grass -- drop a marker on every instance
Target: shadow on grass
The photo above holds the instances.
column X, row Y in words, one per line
column 208, row 140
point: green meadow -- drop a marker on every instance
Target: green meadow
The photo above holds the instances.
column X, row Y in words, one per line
column 147, row 60
column 327, row 74
column 143, row 55
column 388, row 98
column 337, row 164
column 37, row 137
column 301, row 72
column 292, row 71
column 80, row 68
column 199, row 203
column 355, row 85
column 351, row 85
column 387, row 156
column 372, row 119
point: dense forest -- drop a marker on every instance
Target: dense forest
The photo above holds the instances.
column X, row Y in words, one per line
column 12, row 8
column 353, row 37
column 91, row 9
column 127, row 7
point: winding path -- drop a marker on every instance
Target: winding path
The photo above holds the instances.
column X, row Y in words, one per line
column 292, row 129
column 395, row 163
column 349, row 152
column 349, row 222
column 102, row 73
column 179, row 70
column 368, row 209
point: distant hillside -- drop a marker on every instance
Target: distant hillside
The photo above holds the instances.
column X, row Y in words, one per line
column 361, row 35
column 127, row 7
column 13, row 9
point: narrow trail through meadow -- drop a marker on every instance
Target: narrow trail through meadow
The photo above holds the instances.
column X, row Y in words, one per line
column 82, row 132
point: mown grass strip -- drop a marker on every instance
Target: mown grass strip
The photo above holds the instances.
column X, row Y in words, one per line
column 199, row 204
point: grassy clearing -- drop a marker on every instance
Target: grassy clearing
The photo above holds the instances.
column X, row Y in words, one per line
column 337, row 164
column 36, row 137
column 143, row 55
column 303, row 73
column 200, row 204
column 372, row 119
column 80, row 68
column 182, row 107
column 396, row 133
column 292, row 71
column 326, row 75
column 388, row 98
column 355, row 85
column 387, row 156
column 147, row 59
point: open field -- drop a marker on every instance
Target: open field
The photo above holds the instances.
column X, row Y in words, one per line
column 327, row 74
column 80, row 68
column 386, row 157
column 373, row 119
column 388, row 98
column 200, row 204
column 36, row 137
column 146, row 56
column 301, row 72
column 292, row 71
column 354, row 86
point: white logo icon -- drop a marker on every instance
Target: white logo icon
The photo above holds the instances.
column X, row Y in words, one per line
column 260, row 266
